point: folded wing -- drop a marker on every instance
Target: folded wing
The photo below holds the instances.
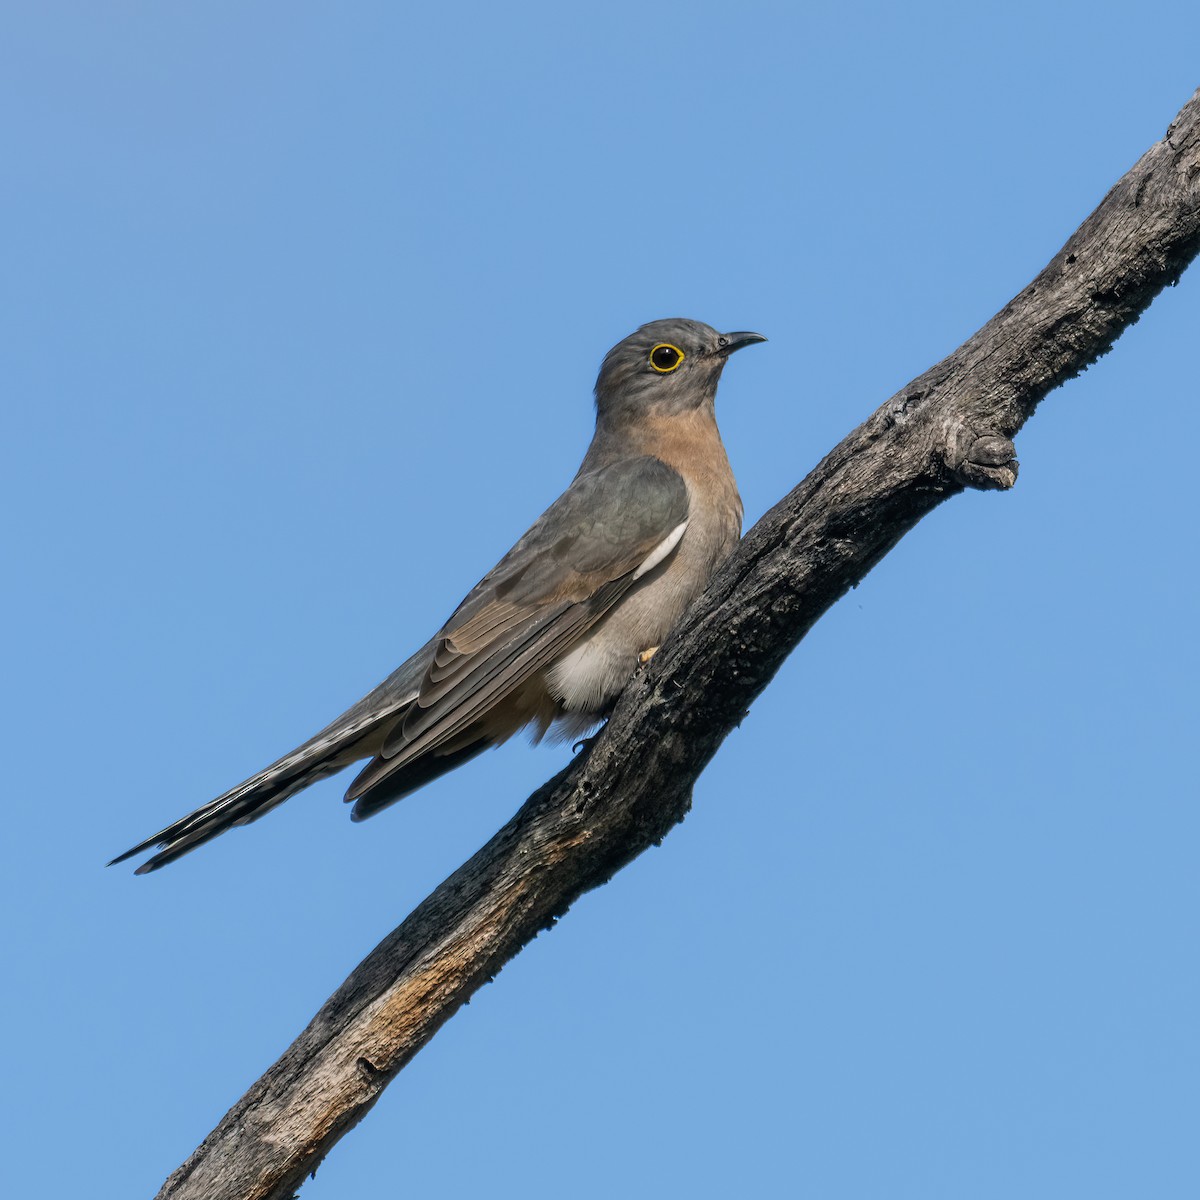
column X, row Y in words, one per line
column 580, row 558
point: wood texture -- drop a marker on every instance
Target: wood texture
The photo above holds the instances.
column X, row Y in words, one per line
column 947, row 430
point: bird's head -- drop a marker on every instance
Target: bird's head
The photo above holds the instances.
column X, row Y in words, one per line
column 666, row 367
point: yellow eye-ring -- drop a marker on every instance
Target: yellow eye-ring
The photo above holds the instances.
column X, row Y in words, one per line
column 664, row 358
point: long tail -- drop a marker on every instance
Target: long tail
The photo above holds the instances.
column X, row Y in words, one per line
column 348, row 739
column 240, row 805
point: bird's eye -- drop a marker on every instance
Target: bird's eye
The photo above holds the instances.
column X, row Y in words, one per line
column 664, row 358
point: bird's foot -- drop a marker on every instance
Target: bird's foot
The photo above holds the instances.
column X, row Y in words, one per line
column 647, row 655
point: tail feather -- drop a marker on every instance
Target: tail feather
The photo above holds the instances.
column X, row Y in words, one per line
column 239, row 806
column 345, row 741
column 352, row 736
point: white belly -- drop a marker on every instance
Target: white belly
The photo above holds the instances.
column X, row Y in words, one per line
column 589, row 676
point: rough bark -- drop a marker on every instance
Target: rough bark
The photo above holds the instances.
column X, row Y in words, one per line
column 947, row 430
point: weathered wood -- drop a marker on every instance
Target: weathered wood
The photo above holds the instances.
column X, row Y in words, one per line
column 947, row 430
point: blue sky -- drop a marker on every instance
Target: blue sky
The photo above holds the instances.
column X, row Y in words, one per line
column 302, row 307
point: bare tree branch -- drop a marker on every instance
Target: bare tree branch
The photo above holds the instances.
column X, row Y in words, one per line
column 948, row 430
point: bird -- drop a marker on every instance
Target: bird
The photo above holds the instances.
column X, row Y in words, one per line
column 551, row 635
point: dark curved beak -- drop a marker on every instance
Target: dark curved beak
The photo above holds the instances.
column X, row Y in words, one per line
column 729, row 342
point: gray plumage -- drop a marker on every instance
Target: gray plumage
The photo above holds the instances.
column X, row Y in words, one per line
column 549, row 637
